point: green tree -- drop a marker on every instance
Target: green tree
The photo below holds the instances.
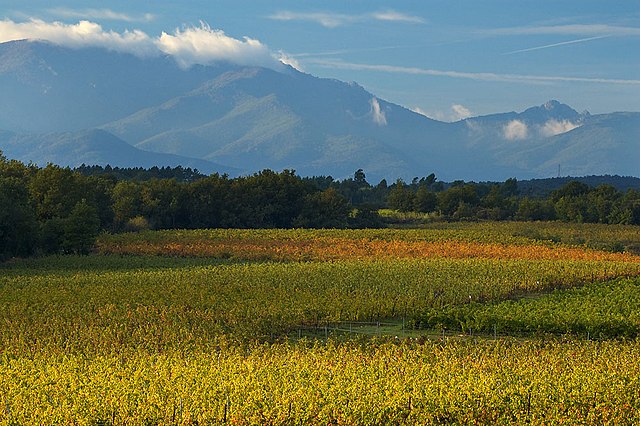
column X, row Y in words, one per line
column 400, row 197
column 127, row 202
column 81, row 229
column 572, row 209
column 164, row 203
column 360, row 178
column 356, row 190
column 55, row 191
column 535, row 209
column 572, row 189
column 510, row 187
column 365, row 216
column 461, row 194
column 627, row 209
column 326, row 209
column 268, row 199
column 209, row 203
column 424, row 201
column 496, row 205
column 98, row 191
column 18, row 226
column 571, row 202
column 600, row 203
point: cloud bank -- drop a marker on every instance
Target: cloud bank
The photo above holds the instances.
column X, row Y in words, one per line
column 203, row 45
column 82, row 34
column 193, row 45
column 333, row 20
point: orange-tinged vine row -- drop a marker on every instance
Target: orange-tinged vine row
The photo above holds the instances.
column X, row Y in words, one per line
column 190, row 339
column 336, row 248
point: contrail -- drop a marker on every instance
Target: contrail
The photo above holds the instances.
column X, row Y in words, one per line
column 484, row 76
column 580, row 40
column 345, row 51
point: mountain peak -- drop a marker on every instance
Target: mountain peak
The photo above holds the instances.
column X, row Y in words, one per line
column 551, row 104
column 254, row 118
column 552, row 109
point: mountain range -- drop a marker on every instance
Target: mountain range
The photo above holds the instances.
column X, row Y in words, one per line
column 95, row 106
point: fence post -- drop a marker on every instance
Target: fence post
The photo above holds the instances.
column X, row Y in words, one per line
column 226, row 410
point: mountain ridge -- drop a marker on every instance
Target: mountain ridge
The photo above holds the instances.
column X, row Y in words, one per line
column 94, row 147
column 252, row 118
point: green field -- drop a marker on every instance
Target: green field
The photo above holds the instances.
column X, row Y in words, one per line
column 133, row 338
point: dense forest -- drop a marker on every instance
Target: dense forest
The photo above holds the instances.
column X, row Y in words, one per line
column 59, row 210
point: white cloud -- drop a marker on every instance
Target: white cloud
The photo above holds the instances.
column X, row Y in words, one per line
column 554, row 127
column 333, row 20
column 189, row 46
column 289, row 60
column 329, row 20
column 486, row 76
column 106, row 14
column 460, row 112
column 393, row 16
column 515, row 130
column 377, row 113
column 457, row 112
column 84, row 33
column 203, row 45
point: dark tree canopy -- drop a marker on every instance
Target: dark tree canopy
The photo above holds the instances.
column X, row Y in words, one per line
column 58, row 210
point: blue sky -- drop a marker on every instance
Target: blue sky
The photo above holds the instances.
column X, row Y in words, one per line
column 446, row 59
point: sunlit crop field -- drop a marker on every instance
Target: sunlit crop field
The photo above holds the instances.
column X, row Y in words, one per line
column 202, row 327
column 452, row 382
column 495, row 240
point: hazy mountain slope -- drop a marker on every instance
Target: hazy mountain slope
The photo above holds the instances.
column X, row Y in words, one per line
column 541, row 138
column 49, row 88
column 93, row 147
column 605, row 144
column 261, row 118
column 252, row 118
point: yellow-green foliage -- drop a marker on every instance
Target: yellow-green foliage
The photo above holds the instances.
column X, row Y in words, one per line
column 86, row 311
column 454, row 382
column 163, row 340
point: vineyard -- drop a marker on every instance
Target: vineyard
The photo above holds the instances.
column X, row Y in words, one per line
column 462, row 240
column 505, row 324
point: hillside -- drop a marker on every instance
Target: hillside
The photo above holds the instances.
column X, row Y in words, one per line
column 251, row 118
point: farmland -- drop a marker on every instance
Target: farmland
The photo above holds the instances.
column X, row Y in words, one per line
column 539, row 324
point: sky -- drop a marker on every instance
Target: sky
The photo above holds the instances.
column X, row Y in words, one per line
column 446, row 59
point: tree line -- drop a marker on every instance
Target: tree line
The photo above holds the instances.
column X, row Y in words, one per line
column 573, row 202
column 53, row 209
